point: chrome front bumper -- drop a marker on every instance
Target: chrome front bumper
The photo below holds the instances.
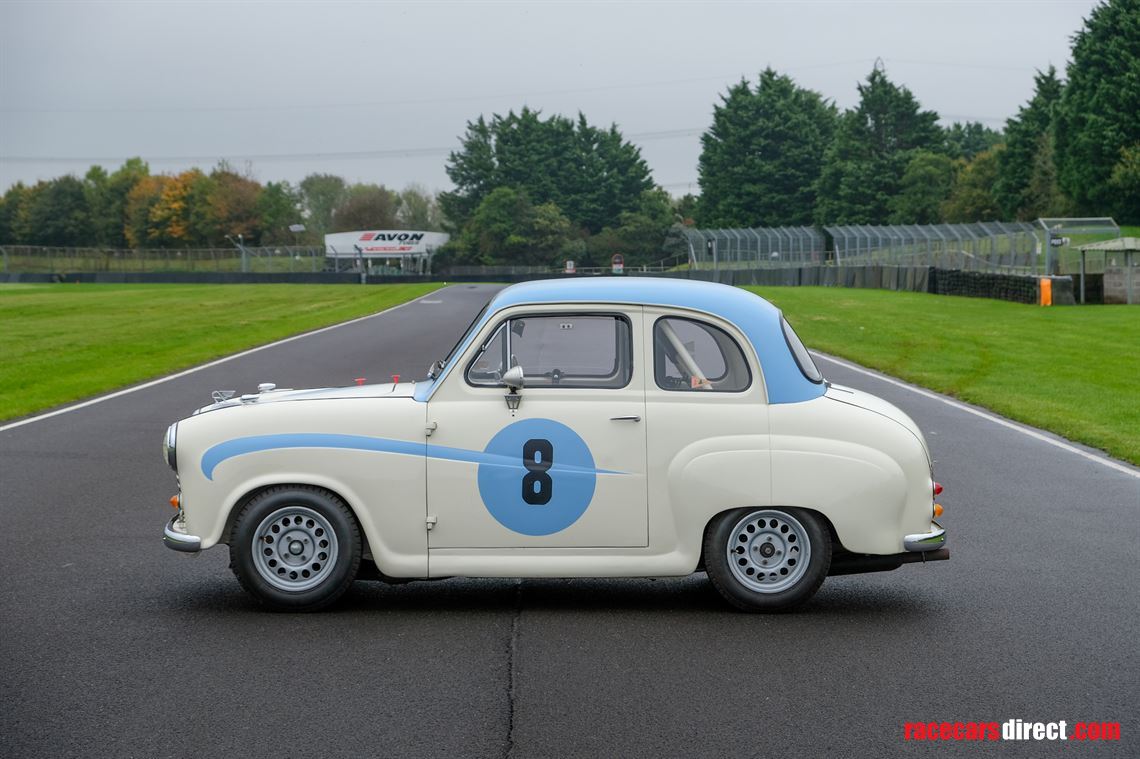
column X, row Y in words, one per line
column 926, row 541
column 175, row 537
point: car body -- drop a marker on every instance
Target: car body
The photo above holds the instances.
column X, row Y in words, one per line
column 580, row 428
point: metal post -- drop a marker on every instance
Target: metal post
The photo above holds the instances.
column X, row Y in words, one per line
column 1128, row 266
column 1082, row 277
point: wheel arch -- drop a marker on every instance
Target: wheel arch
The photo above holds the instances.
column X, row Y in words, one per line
column 823, row 518
column 242, row 501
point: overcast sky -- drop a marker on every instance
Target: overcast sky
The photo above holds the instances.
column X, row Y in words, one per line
column 379, row 92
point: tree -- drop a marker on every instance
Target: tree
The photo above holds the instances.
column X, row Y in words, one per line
column 169, row 220
column 419, row 210
column 231, row 206
column 279, row 207
column 967, row 140
column 1023, row 142
column 10, row 208
column 142, row 198
column 1124, row 184
column 1042, row 197
column 507, row 229
column 111, row 230
column 925, row 185
column 1097, row 113
column 56, row 213
column 864, row 165
column 763, row 154
column 366, row 206
column 972, row 198
column 685, row 208
column 639, row 236
column 592, row 175
column 321, row 194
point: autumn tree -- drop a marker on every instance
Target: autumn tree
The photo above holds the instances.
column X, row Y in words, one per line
column 231, row 206
column 140, row 201
column 366, row 206
column 762, row 156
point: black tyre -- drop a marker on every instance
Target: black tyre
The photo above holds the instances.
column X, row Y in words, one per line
column 769, row 559
column 295, row 548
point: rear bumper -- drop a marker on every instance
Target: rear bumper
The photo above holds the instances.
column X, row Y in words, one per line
column 176, row 538
column 926, row 541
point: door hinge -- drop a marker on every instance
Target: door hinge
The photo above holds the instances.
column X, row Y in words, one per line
column 430, row 522
column 430, row 428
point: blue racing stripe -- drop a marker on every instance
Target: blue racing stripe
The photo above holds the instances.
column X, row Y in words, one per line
column 256, row 443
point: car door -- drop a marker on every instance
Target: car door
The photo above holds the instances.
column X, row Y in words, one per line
column 706, row 421
column 566, row 468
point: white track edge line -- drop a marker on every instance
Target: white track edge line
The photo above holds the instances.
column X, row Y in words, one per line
column 1110, row 463
column 200, row 367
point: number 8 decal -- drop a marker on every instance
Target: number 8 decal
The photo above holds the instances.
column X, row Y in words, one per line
column 519, row 490
column 538, row 457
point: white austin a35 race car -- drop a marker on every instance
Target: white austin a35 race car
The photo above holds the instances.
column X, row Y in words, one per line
column 604, row 427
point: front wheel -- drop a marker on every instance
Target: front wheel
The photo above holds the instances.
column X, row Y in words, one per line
column 767, row 559
column 295, row 548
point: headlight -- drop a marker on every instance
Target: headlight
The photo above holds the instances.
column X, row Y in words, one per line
column 169, row 443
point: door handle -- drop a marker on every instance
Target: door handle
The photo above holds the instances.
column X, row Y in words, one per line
column 625, row 418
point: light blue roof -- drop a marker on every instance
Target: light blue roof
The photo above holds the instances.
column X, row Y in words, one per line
column 758, row 319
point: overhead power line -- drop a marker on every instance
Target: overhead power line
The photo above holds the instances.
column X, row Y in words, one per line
column 334, row 156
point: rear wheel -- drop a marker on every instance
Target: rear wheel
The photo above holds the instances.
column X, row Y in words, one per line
column 295, row 548
column 769, row 559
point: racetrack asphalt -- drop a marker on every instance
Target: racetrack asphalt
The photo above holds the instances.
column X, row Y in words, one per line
column 113, row 645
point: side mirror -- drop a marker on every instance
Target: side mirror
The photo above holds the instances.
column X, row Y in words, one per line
column 513, row 378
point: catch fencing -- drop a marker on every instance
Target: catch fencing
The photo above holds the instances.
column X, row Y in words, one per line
column 985, row 246
column 760, row 247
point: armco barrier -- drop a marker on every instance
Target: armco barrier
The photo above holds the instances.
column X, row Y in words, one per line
column 923, row 279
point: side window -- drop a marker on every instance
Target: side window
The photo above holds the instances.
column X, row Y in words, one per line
column 558, row 351
column 691, row 355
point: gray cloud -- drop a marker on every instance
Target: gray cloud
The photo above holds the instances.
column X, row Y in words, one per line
column 379, row 92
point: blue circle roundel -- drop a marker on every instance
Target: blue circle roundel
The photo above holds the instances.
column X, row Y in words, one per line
column 537, row 477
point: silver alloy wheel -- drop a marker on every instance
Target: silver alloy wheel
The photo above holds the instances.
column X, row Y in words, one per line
column 768, row 551
column 294, row 548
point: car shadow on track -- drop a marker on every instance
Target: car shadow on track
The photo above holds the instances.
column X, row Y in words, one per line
column 694, row 594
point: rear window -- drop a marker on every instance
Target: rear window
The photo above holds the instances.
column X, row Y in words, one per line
column 803, row 358
column 692, row 355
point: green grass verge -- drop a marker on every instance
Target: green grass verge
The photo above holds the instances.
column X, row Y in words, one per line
column 61, row 342
column 1072, row 370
